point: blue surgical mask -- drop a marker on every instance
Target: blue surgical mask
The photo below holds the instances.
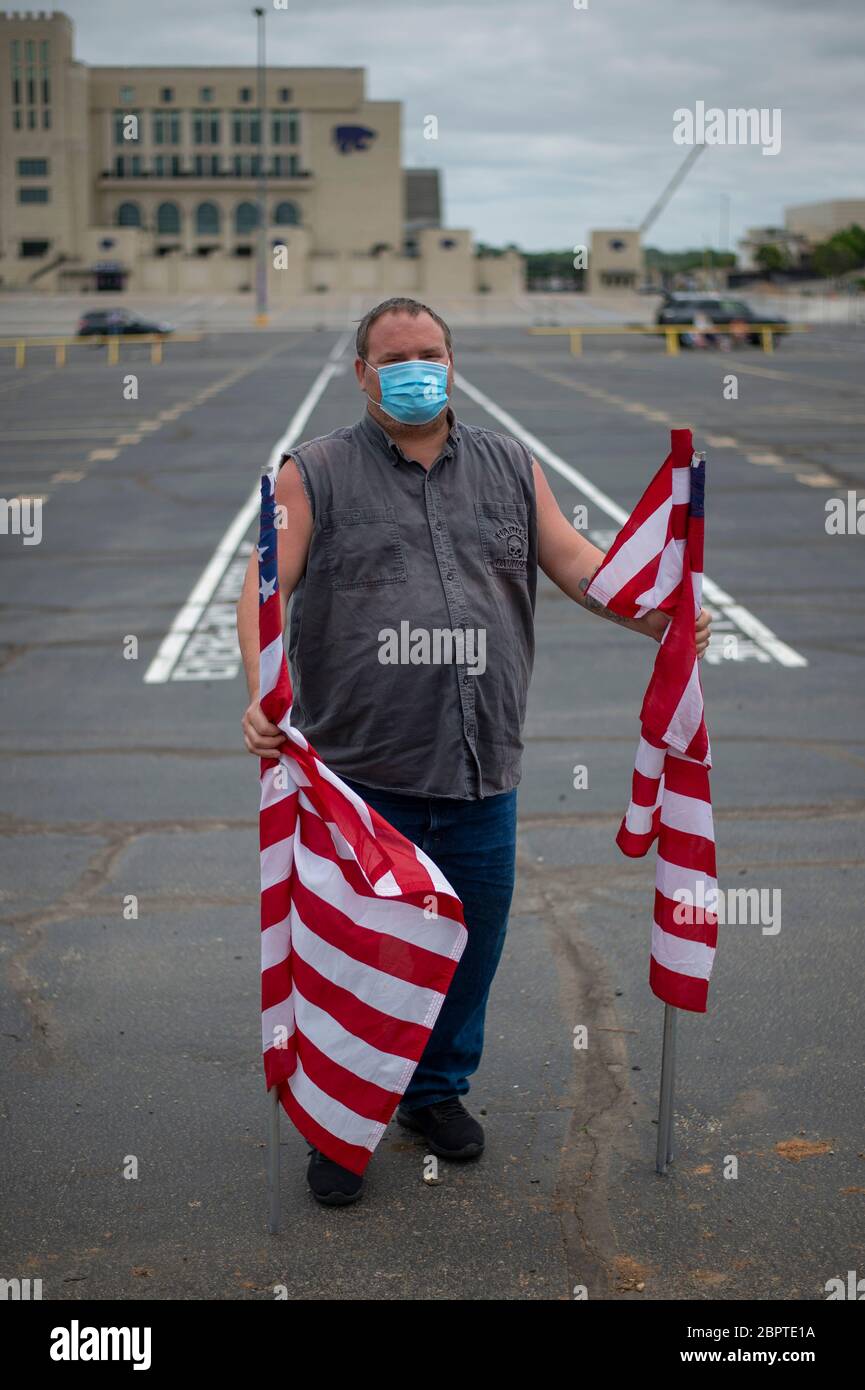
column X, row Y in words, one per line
column 412, row 392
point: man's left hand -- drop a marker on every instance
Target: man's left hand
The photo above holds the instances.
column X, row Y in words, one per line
column 703, row 632
column 656, row 622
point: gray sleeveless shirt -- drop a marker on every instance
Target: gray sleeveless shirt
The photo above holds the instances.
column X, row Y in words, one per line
column 411, row 633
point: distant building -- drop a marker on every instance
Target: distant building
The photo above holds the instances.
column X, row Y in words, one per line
column 147, row 179
column 818, row 221
column 423, row 204
column 792, row 245
column 616, row 261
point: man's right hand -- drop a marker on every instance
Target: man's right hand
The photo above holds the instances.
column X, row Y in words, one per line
column 260, row 736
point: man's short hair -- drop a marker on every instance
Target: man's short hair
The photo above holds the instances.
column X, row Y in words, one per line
column 398, row 305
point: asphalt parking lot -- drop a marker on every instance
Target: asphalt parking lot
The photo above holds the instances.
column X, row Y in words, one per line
column 131, row 1036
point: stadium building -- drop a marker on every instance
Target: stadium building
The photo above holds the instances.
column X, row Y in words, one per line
column 146, row 179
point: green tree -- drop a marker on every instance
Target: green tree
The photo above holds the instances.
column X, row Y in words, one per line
column 842, row 252
column 771, row 257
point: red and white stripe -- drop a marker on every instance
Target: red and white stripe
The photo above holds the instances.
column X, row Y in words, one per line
column 360, row 936
column 657, row 562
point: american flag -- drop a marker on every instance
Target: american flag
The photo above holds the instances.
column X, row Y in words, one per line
column 360, row 932
column 656, row 561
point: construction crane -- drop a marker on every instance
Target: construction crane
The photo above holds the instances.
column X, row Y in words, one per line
column 658, row 207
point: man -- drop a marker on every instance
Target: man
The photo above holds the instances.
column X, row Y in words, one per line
column 403, row 530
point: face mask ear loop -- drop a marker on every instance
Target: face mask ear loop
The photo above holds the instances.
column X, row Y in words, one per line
column 366, row 393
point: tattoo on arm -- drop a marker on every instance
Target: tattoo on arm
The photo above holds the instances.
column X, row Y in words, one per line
column 594, row 607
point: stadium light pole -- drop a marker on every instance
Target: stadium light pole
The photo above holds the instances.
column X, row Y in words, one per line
column 261, row 257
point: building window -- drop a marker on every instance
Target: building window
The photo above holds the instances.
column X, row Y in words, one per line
column 127, row 131
column 33, row 168
column 46, row 118
column 176, row 169
column 33, row 248
column 245, row 218
column 286, row 215
column 159, row 165
column 33, row 195
column 168, row 218
column 166, row 127
column 284, row 128
column 166, row 94
column 119, row 166
column 127, row 94
column 16, row 120
column 31, row 119
column 30, row 47
column 128, row 215
column 135, row 161
column 215, row 165
column 284, row 166
column 44, row 63
column 246, row 128
column 207, row 219
column 15, row 55
column 205, row 94
column 206, row 127
column 245, row 94
column 285, row 94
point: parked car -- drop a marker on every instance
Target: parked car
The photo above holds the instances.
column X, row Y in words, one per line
column 721, row 312
column 104, row 321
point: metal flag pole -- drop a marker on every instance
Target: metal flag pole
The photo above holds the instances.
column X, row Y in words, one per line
column 665, row 1100
column 668, row 1051
column 273, row 1161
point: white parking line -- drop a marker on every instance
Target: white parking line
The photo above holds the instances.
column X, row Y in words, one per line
column 759, row 634
column 194, row 613
column 187, row 620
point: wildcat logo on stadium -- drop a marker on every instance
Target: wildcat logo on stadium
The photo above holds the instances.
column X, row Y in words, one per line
column 512, row 548
column 352, row 137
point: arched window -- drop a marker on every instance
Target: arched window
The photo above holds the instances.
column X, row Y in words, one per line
column 128, row 215
column 207, row 219
column 286, row 215
column 168, row 218
column 245, row 218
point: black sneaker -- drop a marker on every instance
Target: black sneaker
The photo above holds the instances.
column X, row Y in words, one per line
column 330, row 1183
column 449, row 1129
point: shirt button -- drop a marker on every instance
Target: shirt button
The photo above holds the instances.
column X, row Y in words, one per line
column 438, row 526
column 467, row 680
column 450, row 574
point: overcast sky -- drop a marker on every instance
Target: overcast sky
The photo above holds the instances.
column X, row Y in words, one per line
column 553, row 120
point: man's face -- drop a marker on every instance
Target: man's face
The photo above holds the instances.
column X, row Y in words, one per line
column 399, row 337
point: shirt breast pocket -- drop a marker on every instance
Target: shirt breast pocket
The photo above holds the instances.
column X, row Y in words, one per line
column 504, row 533
column 363, row 547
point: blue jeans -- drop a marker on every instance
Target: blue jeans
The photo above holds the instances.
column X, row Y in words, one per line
column 474, row 845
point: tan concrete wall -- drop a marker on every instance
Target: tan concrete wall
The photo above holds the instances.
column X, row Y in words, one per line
column 817, row 221
column 63, row 219
column 502, row 275
column 357, row 197
column 607, row 262
column 446, row 269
